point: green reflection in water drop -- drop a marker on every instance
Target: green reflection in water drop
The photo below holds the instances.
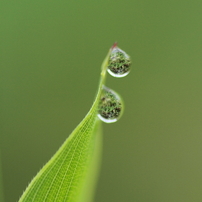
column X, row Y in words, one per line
column 119, row 63
column 110, row 106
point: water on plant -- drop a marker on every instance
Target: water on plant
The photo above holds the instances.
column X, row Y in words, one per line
column 110, row 106
column 119, row 63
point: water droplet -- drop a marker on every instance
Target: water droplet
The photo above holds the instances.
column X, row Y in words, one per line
column 119, row 63
column 110, row 106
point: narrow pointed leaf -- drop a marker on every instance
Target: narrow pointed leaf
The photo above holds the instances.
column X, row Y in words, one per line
column 70, row 174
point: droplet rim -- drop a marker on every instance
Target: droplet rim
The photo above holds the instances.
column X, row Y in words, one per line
column 107, row 120
column 117, row 75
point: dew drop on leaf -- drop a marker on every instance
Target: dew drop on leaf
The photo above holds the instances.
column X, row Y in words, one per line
column 119, row 63
column 110, row 107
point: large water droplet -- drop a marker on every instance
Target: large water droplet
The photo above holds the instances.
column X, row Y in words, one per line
column 119, row 63
column 110, row 106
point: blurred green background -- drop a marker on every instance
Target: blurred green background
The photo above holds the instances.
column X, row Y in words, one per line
column 50, row 57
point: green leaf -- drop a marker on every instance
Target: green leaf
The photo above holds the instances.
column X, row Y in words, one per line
column 70, row 175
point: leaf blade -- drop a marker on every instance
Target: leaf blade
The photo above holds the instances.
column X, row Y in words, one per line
column 63, row 177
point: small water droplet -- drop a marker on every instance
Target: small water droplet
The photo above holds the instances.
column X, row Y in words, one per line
column 110, row 106
column 119, row 63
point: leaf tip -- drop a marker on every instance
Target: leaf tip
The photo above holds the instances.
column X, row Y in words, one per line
column 114, row 45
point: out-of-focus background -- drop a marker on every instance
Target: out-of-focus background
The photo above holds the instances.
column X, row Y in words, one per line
column 50, row 57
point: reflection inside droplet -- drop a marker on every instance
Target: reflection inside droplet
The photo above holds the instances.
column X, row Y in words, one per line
column 110, row 106
column 119, row 63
